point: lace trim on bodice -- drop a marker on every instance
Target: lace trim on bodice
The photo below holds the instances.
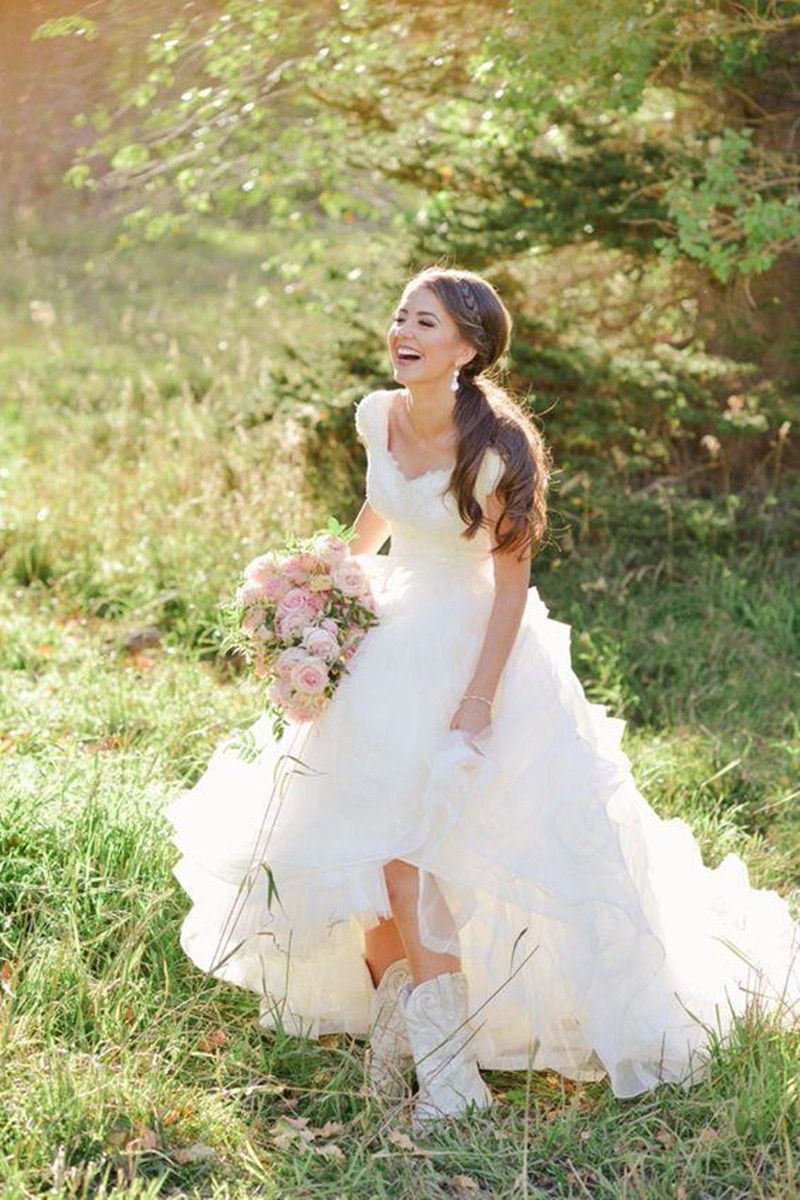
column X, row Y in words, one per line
column 423, row 519
column 444, row 470
column 372, row 425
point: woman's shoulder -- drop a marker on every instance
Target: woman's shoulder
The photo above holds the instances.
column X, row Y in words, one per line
column 510, row 450
column 490, row 472
column 375, row 397
column 367, row 409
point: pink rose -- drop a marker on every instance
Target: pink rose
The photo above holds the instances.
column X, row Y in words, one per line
column 249, row 593
column 265, row 567
column 330, row 548
column 275, row 588
column 290, row 625
column 307, row 709
column 294, row 570
column 295, row 610
column 280, row 692
column 320, row 643
column 330, row 625
column 297, row 599
column 288, row 659
column 309, row 562
column 349, row 578
column 252, row 619
column 310, row 677
column 317, row 602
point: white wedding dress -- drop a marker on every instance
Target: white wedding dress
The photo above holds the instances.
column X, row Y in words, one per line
column 593, row 938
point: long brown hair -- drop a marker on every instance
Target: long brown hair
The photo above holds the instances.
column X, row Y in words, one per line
column 485, row 414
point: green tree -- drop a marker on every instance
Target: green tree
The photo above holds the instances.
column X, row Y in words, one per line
column 640, row 126
column 658, row 134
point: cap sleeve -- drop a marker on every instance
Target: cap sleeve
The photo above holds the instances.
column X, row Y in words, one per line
column 365, row 417
column 490, row 471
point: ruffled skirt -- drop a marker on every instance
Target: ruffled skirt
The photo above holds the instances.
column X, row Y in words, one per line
column 593, row 938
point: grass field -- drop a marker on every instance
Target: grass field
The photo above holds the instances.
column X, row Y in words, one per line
column 148, row 450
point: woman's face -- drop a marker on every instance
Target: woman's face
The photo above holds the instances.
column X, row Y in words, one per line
column 423, row 339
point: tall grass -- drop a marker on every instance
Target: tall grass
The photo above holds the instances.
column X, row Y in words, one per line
column 135, row 480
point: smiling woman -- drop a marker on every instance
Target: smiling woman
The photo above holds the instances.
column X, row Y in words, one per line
column 465, row 834
column 448, row 333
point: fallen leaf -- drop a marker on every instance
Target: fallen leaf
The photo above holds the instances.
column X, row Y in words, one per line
column 288, row 1130
column 212, row 1041
column 175, row 1114
column 192, row 1154
column 464, row 1183
column 142, row 639
column 329, row 1129
column 708, row 1134
column 417, row 1151
column 330, row 1150
column 401, row 1140
column 140, row 661
column 111, row 742
column 296, row 1122
column 143, row 1139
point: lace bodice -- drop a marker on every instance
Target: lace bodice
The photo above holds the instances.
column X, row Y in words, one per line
column 423, row 519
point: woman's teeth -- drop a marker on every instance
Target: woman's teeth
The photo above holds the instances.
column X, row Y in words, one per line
column 408, row 355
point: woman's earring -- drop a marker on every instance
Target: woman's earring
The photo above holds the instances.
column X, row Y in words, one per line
column 454, row 383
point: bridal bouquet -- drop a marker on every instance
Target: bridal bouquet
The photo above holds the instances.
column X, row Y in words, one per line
column 298, row 618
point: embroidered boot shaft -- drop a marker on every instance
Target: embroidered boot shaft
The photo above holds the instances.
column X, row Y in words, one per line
column 389, row 1053
column 442, row 1043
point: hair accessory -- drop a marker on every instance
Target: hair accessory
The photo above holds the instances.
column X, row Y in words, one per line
column 468, row 296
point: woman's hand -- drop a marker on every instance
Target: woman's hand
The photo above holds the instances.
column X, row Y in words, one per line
column 472, row 716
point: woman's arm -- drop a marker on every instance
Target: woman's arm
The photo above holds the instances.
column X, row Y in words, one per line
column 511, row 583
column 371, row 531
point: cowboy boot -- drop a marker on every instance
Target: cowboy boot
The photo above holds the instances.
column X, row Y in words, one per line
column 442, row 1043
column 389, row 1054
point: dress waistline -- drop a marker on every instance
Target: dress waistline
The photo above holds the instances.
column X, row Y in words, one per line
column 479, row 570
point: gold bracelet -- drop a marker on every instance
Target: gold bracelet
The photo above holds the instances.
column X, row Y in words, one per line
column 467, row 696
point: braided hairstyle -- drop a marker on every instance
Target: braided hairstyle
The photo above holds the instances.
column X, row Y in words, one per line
column 486, row 415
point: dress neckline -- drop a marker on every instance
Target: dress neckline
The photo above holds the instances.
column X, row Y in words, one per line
column 393, row 460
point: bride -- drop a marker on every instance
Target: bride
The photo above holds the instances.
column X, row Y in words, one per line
column 459, row 864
